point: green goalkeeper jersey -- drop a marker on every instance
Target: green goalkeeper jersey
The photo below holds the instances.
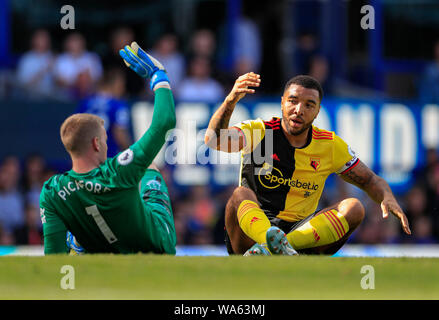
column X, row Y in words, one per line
column 104, row 208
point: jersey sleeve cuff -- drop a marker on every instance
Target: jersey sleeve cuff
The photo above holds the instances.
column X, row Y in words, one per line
column 241, row 133
column 349, row 166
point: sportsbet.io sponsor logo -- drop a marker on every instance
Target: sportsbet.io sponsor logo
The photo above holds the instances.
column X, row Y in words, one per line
column 276, row 181
column 271, row 178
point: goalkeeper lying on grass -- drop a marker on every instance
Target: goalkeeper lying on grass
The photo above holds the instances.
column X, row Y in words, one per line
column 98, row 201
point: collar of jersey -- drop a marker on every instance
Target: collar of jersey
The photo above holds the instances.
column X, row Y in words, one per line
column 74, row 173
column 308, row 139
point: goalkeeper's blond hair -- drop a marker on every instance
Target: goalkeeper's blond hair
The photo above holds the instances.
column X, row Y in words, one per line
column 78, row 131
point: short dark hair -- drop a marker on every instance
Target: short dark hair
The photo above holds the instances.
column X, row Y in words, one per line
column 306, row 82
column 78, row 130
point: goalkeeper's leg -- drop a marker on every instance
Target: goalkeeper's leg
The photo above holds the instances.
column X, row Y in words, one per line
column 155, row 195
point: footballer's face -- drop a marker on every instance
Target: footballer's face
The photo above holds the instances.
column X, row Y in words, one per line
column 300, row 106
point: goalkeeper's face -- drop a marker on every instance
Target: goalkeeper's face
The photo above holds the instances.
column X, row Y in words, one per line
column 300, row 106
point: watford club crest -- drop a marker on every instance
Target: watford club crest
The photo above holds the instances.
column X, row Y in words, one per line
column 315, row 163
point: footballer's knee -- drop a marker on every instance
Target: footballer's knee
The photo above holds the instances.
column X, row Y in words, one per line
column 353, row 211
column 239, row 194
column 242, row 193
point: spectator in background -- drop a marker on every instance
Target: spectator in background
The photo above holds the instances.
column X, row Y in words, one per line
column 34, row 71
column 119, row 38
column 431, row 158
column 423, row 231
column 166, row 51
column 416, row 203
column 372, row 230
column 107, row 103
column 305, row 49
column 429, row 82
column 427, row 178
column 11, row 200
column 319, row 69
column 240, row 48
column 431, row 180
column 77, row 70
column 196, row 216
column 199, row 85
column 31, row 233
column 202, row 216
column 6, row 238
column 203, row 44
column 247, row 47
column 33, row 178
column 433, row 196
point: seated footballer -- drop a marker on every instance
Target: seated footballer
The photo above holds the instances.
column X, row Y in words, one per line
column 112, row 205
column 284, row 165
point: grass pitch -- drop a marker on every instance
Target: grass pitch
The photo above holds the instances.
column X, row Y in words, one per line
column 223, row 278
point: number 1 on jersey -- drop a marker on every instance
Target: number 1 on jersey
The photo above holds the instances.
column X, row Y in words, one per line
column 102, row 225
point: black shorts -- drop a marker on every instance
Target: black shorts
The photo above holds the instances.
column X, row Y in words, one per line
column 285, row 226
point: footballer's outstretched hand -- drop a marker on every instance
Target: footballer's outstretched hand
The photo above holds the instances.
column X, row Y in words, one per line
column 391, row 206
column 144, row 64
column 241, row 86
column 378, row 190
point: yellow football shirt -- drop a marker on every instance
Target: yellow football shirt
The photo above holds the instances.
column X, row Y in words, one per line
column 289, row 181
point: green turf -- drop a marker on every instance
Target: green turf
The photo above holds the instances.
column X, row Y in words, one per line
column 200, row 278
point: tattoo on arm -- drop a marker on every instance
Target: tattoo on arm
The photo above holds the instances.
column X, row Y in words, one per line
column 218, row 132
column 361, row 176
column 220, row 121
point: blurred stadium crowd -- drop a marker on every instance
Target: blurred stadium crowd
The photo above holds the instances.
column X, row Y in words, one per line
column 199, row 212
column 195, row 72
column 76, row 72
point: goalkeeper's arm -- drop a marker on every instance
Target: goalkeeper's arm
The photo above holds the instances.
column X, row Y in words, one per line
column 53, row 227
column 163, row 120
column 164, row 110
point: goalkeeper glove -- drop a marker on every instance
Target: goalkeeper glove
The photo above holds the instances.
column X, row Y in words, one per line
column 144, row 65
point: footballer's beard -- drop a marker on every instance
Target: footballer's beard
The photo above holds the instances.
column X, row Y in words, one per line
column 299, row 131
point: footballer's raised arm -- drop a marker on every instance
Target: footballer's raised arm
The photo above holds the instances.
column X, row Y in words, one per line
column 378, row 190
column 219, row 135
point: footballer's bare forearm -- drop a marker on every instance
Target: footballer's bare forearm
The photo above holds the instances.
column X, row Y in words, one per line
column 378, row 189
column 219, row 123
column 221, row 118
column 364, row 178
column 218, row 134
